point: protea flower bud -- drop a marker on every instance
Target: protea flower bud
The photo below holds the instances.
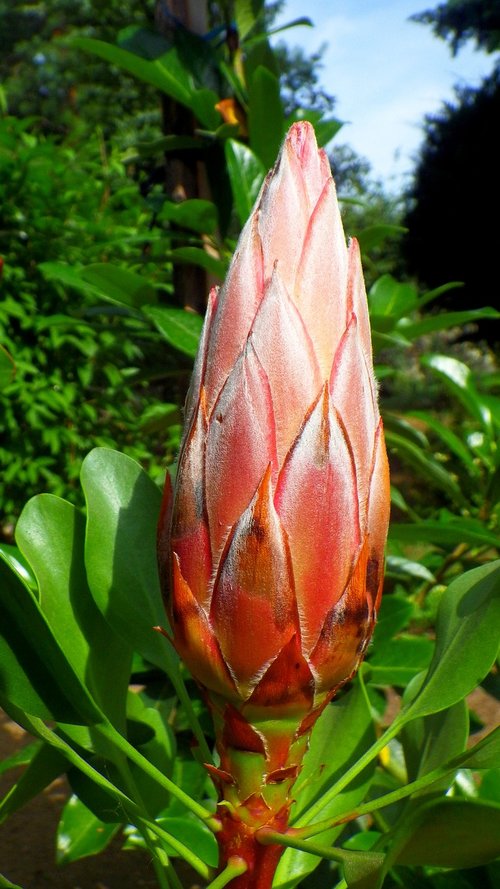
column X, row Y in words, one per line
column 275, row 541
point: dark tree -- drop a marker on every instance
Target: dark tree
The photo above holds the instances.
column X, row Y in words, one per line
column 453, row 221
column 458, row 21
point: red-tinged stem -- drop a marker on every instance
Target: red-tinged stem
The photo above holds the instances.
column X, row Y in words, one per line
column 239, row 840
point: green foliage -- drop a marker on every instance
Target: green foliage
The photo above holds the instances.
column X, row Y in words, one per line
column 97, row 348
column 74, row 372
column 135, row 772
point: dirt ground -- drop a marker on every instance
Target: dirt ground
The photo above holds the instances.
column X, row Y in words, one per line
column 27, row 856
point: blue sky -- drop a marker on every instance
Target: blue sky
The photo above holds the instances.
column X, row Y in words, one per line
column 385, row 72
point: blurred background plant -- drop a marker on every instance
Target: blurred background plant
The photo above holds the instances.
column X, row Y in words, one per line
column 133, row 143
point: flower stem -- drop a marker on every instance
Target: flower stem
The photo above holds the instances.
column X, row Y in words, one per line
column 234, row 868
column 108, row 731
column 379, row 803
column 131, row 810
column 346, row 779
column 331, row 853
column 185, row 700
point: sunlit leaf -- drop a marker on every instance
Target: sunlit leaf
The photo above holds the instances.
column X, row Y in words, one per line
column 469, row 612
column 80, row 833
column 246, row 173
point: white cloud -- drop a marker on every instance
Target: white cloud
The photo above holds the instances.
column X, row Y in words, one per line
column 385, row 71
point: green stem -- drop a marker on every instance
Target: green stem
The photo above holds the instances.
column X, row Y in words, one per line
column 332, row 853
column 174, row 879
column 351, row 773
column 234, row 868
column 159, row 857
column 382, row 801
column 109, row 732
column 131, row 810
column 185, row 700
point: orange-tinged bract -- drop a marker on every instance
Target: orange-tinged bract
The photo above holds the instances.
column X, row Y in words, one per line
column 272, row 551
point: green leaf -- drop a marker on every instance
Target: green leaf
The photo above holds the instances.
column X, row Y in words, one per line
column 70, row 277
column 399, row 567
column 166, row 73
column 348, row 719
column 101, row 799
column 35, row 675
column 444, row 321
column 195, row 214
column 247, row 13
column 7, row 368
column 449, row 833
column 400, row 661
column 394, row 614
column 265, row 117
column 246, row 173
column 326, row 129
column 485, row 754
column 444, row 533
column 13, row 557
column 199, row 257
column 389, row 300
column 457, row 378
column 375, row 235
column 180, row 327
column 99, row 657
column 142, row 42
column 6, row 884
column 431, row 295
column 80, row 833
column 466, row 641
column 188, row 830
column 157, row 744
column 21, row 757
column 119, row 285
column 123, row 505
column 450, row 439
column 362, row 870
column 159, row 146
column 430, row 742
column 425, row 464
column 44, row 767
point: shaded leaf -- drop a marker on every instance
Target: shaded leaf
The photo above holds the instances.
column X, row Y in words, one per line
column 44, row 766
column 432, row 741
column 119, row 285
column 195, row 214
column 7, row 368
column 265, row 118
column 449, row 833
column 180, row 327
column 35, row 675
column 375, row 235
column 397, row 663
column 348, row 719
column 444, row 533
column 444, row 321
